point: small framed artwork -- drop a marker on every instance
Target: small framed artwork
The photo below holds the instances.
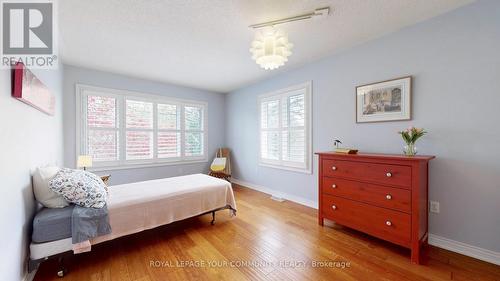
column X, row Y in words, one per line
column 384, row 101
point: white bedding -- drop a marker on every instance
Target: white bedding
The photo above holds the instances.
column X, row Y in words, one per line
column 144, row 205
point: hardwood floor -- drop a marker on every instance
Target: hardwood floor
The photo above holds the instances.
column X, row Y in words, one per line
column 267, row 240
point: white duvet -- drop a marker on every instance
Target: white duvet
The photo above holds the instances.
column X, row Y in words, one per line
column 144, row 205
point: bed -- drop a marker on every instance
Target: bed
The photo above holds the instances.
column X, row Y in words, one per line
column 133, row 208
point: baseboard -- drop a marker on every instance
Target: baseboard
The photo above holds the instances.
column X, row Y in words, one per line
column 272, row 192
column 435, row 240
column 30, row 275
column 465, row 249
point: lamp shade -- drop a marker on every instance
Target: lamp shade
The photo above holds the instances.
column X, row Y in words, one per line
column 84, row 161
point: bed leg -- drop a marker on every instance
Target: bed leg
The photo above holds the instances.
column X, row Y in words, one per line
column 213, row 218
column 61, row 269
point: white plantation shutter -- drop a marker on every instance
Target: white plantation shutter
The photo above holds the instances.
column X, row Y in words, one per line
column 285, row 128
column 139, row 130
column 102, row 128
column 193, row 145
column 122, row 128
column 169, row 131
column 294, row 144
column 270, row 129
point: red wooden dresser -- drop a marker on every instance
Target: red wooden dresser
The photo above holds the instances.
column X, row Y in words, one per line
column 379, row 194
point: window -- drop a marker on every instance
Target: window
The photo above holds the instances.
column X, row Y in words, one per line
column 285, row 128
column 121, row 128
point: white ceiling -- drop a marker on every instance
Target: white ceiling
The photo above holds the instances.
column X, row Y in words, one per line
column 205, row 43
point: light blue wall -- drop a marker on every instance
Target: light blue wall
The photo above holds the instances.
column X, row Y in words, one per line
column 74, row 75
column 28, row 139
column 455, row 62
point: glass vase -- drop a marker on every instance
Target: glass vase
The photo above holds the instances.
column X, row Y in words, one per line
column 410, row 149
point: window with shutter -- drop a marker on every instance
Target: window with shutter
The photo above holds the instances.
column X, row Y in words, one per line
column 285, row 128
column 121, row 128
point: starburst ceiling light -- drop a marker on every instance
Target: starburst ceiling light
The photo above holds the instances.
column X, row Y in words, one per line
column 270, row 48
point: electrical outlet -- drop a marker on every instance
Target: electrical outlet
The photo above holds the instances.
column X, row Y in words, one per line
column 434, row 207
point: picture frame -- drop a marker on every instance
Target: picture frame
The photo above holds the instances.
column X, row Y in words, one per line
column 30, row 90
column 384, row 101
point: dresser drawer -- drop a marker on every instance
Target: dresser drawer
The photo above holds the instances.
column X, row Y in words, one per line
column 382, row 196
column 378, row 173
column 386, row 224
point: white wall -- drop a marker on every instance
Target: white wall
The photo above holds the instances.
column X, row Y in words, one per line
column 216, row 106
column 455, row 62
column 28, row 139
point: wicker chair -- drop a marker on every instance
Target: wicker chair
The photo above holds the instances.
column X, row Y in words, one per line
column 221, row 166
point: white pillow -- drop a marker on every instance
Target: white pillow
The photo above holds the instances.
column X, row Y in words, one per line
column 43, row 193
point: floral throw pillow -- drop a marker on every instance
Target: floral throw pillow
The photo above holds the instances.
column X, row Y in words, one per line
column 80, row 187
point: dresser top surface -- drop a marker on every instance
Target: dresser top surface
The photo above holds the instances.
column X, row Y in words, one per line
column 377, row 156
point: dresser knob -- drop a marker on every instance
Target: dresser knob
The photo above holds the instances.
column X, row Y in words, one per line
column 334, row 168
column 334, row 186
column 334, row 207
column 389, row 174
column 388, row 223
column 388, row 197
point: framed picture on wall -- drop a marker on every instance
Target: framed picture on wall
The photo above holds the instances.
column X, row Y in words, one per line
column 30, row 90
column 384, row 101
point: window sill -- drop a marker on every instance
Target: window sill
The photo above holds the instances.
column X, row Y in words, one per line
column 291, row 169
column 140, row 166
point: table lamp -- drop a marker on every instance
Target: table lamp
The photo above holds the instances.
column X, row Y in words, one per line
column 84, row 161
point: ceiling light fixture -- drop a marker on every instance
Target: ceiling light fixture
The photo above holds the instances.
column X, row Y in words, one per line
column 270, row 48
